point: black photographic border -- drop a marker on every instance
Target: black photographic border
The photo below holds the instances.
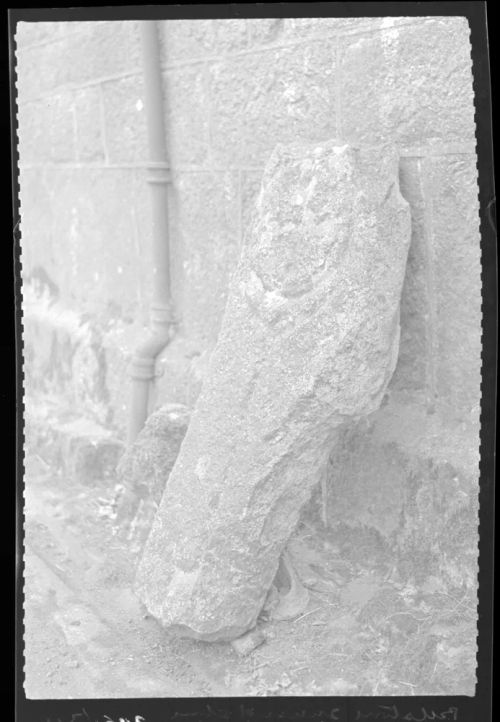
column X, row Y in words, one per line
column 352, row 709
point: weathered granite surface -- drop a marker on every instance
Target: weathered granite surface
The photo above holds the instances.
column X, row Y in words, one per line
column 309, row 339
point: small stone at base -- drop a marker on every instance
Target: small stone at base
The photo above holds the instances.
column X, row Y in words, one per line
column 248, row 642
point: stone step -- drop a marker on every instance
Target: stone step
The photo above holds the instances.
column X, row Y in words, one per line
column 74, row 446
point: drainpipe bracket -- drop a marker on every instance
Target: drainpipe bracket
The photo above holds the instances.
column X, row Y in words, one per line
column 163, row 321
column 158, row 173
column 162, row 310
column 142, row 368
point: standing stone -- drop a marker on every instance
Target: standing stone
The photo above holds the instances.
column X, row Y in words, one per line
column 309, row 339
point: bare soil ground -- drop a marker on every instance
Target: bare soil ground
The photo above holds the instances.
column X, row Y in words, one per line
column 365, row 632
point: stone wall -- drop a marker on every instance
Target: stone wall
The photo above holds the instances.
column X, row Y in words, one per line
column 233, row 89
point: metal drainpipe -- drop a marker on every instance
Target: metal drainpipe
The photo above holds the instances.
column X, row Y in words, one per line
column 142, row 369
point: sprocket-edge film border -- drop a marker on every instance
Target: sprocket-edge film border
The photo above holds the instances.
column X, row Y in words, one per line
column 290, row 708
